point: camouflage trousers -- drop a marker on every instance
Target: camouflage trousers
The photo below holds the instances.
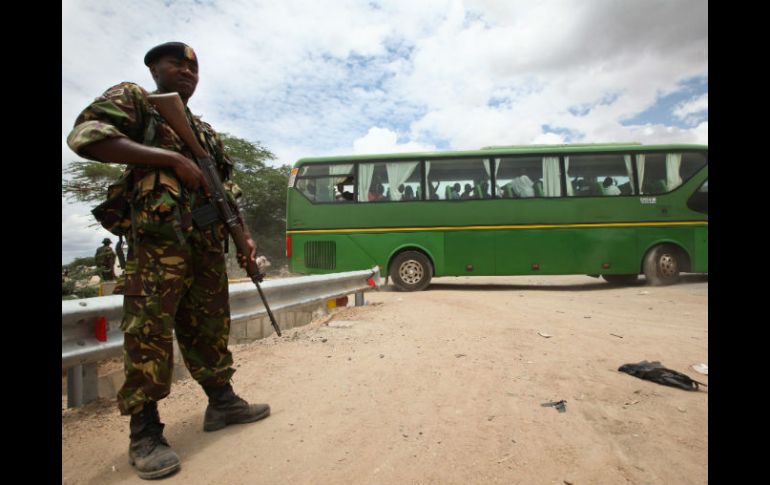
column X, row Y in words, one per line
column 181, row 288
column 108, row 275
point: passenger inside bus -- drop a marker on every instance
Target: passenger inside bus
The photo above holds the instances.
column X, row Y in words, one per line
column 377, row 193
column 455, row 193
column 467, row 192
column 522, row 186
column 343, row 194
column 408, row 193
column 580, row 187
column 609, row 187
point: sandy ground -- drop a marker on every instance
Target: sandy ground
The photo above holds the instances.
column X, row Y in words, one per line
column 446, row 386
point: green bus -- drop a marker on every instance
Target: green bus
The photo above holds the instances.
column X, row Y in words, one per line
column 615, row 210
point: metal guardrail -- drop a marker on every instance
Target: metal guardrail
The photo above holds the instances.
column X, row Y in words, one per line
column 80, row 346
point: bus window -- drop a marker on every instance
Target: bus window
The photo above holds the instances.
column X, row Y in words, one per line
column 388, row 181
column 664, row 172
column 458, row 179
column 599, row 175
column 523, row 177
column 322, row 183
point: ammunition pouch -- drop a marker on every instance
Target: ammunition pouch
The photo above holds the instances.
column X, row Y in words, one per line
column 205, row 215
column 114, row 214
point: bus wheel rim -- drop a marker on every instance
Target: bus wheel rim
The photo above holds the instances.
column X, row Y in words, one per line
column 411, row 272
column 667, row 265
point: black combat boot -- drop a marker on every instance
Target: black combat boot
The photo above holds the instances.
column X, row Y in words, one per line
column 225, row 407
column 149, row 452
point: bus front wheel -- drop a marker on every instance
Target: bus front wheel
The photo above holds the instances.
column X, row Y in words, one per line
column 411, row 271
column 661, row 265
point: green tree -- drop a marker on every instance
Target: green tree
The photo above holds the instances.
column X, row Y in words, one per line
column 88, row 181
column 263, row 203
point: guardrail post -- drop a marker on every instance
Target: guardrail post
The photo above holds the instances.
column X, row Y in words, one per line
column 360, row 298
column 90, row 383
column 75, row 386
column 82, row 385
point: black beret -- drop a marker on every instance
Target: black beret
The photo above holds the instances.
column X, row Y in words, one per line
column 106, row 240
column 178, row 49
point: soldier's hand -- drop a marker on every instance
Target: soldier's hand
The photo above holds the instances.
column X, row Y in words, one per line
column 189, row 173
column 252, row 253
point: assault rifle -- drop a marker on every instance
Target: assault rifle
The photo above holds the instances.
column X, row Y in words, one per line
column 170, row 106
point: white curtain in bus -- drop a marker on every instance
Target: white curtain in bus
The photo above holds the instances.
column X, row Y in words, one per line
column 673, row 163
column 570, row 191
column 640, row 169
column 398, row 173
column 630, row 171
column 365, row 174
column 551, row 182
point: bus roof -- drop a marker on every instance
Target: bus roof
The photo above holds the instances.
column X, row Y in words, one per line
column 506, row 150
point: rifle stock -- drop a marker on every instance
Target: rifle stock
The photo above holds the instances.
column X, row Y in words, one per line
column 170, row 106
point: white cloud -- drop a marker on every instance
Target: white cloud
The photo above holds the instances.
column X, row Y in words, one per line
column 692, row 111
column 548, row 139
column 383, row 140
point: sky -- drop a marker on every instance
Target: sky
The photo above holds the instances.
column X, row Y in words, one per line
column 338, row 77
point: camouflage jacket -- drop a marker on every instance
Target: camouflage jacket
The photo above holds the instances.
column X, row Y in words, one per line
column 161, row 204
column 105, row 257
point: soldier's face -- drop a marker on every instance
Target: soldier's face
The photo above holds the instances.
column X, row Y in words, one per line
column 172, row 74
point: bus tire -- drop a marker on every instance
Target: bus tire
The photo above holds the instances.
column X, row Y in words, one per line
column 661, row 265
column 411, row 271
column 621, row 279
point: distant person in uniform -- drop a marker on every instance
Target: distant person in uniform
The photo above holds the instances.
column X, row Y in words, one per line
column 105, row 260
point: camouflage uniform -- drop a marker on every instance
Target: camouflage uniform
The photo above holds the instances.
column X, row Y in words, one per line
column 105, row 260
column 175, row 276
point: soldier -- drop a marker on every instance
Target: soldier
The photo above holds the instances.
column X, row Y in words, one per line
column 175, row 275
column 105, row 260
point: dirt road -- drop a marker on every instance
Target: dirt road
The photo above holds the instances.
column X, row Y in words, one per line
column 445, row 386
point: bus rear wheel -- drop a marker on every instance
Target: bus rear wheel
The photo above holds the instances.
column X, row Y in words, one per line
column 661, row 265
column 621, row 279
column 411, row 271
